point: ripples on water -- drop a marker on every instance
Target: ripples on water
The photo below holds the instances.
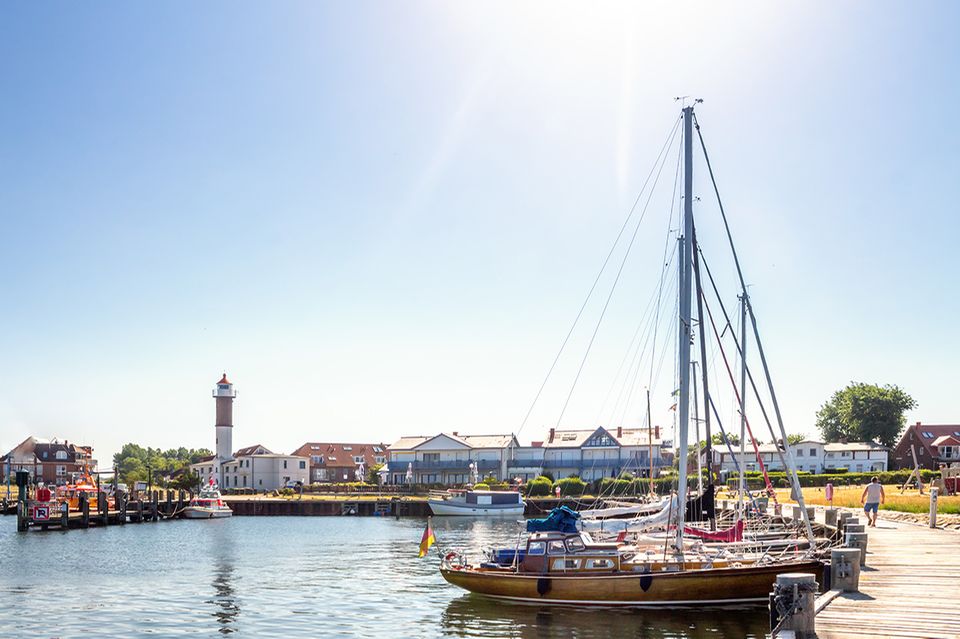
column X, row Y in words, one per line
column 291, row 577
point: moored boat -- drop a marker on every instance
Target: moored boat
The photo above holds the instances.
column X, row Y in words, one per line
column 207, row 505
column 478, row 503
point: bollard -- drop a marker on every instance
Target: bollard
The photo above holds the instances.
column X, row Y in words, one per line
column 845, row 569
column 64, row 515
column 792, row 604
column 121, row 507
column 84, row 510
column 103, row 508
column 22, row 522
column 934, row 494
column 830, row 517
column 854, row 528
column 154, row 504
column 796, row 514
column 858, row 540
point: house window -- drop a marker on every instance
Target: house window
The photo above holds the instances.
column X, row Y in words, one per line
column 380, row 459
column 303, row 465
column 431, row 457
column 799, row 452
column 61, row 454
column 61, row 470
column 601, row 439
column 928, row 434
column 244, row 481
column 813, row 452
column 316, row 459
column 377, row 449
column 284, row 463
column 358, row 459
column 348, row 447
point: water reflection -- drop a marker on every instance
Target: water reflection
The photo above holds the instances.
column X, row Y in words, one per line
column 473, row 615
column 226, row 608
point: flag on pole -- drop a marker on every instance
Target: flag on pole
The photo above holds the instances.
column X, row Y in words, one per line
column 427, row 540
column 674, row 407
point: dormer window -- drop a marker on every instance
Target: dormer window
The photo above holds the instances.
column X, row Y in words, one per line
column 348, row 448
column 61, row 454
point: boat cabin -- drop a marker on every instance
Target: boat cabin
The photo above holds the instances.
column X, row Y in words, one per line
column 568, row 552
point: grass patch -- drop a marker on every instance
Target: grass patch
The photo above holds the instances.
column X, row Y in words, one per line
column 849, row 497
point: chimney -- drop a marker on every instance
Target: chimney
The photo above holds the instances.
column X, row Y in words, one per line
column 552, row 433
column 455, row 434
column 656, row 432
column 918, row 424
column 619, row 432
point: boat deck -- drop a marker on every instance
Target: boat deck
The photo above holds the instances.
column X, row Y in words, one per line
column 909, row 587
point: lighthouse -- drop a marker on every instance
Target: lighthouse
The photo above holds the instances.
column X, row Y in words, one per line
column 224, row 395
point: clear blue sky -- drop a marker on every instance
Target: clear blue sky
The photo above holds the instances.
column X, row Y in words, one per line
column 381, row 218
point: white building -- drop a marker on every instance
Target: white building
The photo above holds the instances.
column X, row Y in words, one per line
column 811, row 456
column 256, row 467
column 446, row 458
column 591, row 454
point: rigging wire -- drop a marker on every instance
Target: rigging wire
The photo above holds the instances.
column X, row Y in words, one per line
column 553, row 365
column 613, row 288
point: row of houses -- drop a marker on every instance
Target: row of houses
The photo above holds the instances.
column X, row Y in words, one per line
column 451, row 458
column 50, row 461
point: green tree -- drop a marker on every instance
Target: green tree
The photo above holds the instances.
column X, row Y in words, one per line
column 795, row 438
column 133, row 461
column 865, row 412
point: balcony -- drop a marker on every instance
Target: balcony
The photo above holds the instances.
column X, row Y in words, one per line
column 456, row 464
column 626, row 463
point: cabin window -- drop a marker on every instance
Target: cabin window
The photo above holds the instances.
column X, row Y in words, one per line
column 566, row 564
column 599, row 564
column 575, row 544
column 556, row 548
column 536, row 548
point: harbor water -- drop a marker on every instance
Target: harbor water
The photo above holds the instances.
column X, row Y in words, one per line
column 292, row 577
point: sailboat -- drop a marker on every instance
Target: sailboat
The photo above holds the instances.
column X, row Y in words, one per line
column 571, row 567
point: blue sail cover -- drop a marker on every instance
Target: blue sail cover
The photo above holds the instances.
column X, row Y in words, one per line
column 562, row 519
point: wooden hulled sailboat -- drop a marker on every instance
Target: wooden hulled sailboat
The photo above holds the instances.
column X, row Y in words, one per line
column 571, row 568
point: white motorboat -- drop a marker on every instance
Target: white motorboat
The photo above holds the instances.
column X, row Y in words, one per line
column 478, row 503
column 207, row 505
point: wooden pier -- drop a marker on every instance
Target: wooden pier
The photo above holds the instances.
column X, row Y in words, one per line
column 910, row 587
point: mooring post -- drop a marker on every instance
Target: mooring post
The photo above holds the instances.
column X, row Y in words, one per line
column 792, row 604
column 154, row 504
column 845, row 569
column 830, row 517
column 797, row 514
column 103, row 508
column 139, row 510
column 122, row 507
column 934, row 493
column 84, row 510
column 168, row 509
column 22, row 522
column 858, row 540
column 64, row 515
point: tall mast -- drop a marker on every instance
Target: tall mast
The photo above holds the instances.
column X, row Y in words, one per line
column 683, row 365
column 743, row 397
column 703, row 369
column 649, row 443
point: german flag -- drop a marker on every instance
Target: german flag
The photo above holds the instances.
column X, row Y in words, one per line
column 427, row 540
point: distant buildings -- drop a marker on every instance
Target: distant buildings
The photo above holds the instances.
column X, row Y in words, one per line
column 933, row 445
column 590, row 454
column 337, row 462
column 811, row 456
column 254, row 467
column 50, row 461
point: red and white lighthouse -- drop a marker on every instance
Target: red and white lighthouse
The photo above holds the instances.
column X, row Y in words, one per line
column 224, row 394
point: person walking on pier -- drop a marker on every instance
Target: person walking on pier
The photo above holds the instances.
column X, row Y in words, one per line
column 871, row 499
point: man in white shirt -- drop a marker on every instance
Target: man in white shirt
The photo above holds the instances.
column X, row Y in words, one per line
column 871, row 499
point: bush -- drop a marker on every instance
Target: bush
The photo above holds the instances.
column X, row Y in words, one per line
column 548, row 475
column 572, row 486
column 542, row 486
column 609, row 487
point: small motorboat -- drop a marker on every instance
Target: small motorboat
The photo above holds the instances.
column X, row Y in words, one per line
column 478, row 503
column 207, row 505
